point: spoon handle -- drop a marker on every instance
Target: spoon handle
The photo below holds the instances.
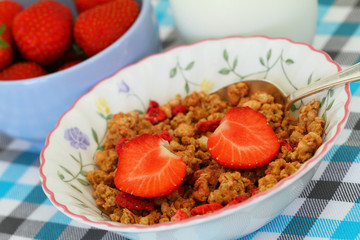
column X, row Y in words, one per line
column 351, row 74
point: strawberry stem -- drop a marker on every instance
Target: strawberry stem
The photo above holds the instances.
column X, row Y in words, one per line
column 3, row 44
column 2, row 28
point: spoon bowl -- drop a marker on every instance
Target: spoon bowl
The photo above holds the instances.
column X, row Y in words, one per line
column 348, row 75
column 263, row 85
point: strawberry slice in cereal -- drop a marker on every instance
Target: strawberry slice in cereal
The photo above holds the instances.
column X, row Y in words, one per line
column 179, row 216
column 132, row 202
column 243, row 140
column 205, row 209
column 146, row 168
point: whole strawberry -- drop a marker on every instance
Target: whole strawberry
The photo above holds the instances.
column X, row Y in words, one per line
column 22, row 70
column 82, row 5
column 43, row 31
column 8, row 10
column 98, row 27
column 6, row 49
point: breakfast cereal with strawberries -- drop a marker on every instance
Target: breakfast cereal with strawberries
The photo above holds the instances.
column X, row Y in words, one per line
column 198, row 154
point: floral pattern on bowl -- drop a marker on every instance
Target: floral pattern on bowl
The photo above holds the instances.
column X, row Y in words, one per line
column 208, row 65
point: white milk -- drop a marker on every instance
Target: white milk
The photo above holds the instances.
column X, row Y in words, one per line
column 201, row 19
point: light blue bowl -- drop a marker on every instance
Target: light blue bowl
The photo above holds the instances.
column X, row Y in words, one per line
column 30, row 108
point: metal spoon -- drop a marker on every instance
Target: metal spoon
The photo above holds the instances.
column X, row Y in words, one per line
column 351, row 74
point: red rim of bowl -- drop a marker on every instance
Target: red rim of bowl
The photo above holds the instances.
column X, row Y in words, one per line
column 135, row 228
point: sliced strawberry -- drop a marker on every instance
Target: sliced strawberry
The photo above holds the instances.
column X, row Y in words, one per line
column 243, row 140
column 287, row 145
column 165, row 135
column 153, row 104
column 120, row 145
column 146, row 168
column 238, row 199
column 155, row 115
column 206, row 208
column 179, row 216
column 207, row 126
column 181, row 190
column 131, row 202
column 178, row 109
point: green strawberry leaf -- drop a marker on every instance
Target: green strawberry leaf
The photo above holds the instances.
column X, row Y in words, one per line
column 77, row 49
column 4, row 44
column 2, row 28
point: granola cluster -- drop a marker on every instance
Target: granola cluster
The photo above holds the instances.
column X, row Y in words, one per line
column 206, row 181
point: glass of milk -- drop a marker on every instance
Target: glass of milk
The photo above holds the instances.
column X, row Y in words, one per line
column 201, row 19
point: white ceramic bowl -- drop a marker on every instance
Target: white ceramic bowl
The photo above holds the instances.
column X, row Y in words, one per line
column 206, row 65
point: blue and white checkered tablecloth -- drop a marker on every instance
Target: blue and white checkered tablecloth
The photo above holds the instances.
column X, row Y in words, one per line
column 329, row 208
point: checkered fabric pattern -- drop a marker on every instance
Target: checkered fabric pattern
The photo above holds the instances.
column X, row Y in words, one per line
column 329, row 208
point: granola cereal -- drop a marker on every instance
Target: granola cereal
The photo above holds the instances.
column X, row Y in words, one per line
column 206, row 182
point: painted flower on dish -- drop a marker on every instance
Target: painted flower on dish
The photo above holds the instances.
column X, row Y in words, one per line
column 102, row 105
column 123, row 87
column 206, row 85
column 77, row 138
